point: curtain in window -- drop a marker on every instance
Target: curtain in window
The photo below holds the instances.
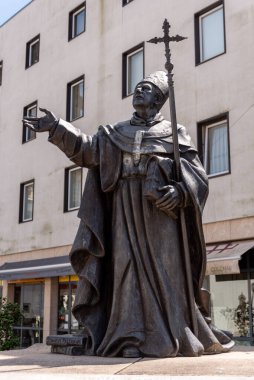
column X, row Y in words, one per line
column 34, row 53
column 135, row 70
column 217, row 149
column 75, row 188
column 28, row 202
column 79, row 23
column 30, row 134
column 212, row 34
column 77, row 100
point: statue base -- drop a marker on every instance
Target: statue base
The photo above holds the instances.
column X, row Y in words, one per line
column 67, row 344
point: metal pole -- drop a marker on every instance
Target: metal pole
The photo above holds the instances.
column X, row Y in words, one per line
column 166, row 39
column 185, row 243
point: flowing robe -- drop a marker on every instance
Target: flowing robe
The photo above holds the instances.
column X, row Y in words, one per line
column 128, row 253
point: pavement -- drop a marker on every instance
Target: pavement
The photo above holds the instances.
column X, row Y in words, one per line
column 37, row 363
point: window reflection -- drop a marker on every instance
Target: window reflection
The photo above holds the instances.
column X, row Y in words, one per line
column 232, row 304
column 66, row 321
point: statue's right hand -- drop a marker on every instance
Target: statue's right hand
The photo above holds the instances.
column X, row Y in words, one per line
column 41, row 124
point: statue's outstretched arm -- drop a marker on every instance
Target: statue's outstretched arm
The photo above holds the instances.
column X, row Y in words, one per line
column 78, row 147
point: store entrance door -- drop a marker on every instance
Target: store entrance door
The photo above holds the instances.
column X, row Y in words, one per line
column 30, row 297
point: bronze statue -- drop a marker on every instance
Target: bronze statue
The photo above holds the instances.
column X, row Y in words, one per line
column 132, row 291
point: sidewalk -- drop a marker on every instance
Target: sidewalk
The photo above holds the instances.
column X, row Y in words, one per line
column 38, row 363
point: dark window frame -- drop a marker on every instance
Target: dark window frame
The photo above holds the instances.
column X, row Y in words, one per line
column 126, row 2
column 28, row 46
column 68, row 102
column 31, row 105
column 1, row 72
column 80, row 7
column 124, row 67
column 21, row 201
column 197, row 31
column 66, row 187
column 203, row 124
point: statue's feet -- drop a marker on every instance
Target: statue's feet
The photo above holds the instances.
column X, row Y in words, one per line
column 131, row 352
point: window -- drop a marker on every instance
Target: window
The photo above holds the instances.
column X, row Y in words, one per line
column 30, row 297
column 75, row 99
column 67, row 293
column 32, row 51
column 77, row 21
column 1, row 72
column 210, row 32
column 213, row 141
column 28, row 134
column 73, row 188
column 26, row 201
column 125, row 2
column 133, row 69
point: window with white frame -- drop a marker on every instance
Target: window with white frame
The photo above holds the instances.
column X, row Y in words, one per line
column 73, row 188
column 26, row 201
column 133, row 69
column 75, row 99
column 215, row 146
column 32, row 51
column 77, row 21
column 1, row 72
column 210, row 32
column 29, row 134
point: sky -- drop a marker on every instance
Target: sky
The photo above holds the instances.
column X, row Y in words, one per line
column 9, row 7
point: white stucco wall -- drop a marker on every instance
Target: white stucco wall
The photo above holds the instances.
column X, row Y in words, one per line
column 225, row 83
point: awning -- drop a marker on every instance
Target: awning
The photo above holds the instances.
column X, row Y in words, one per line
column 41, row 268
column 224, row 258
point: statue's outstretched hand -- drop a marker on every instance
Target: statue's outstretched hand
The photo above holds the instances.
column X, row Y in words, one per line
column 41, row 124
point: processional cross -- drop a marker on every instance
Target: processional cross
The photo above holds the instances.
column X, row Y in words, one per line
column 169, row 67
column 186, row 253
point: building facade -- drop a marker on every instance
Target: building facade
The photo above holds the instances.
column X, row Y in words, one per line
column 82, row 60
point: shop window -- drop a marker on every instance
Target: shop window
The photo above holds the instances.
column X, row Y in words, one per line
column 210, row 32
column 67, row 292
column 32, row 51
column 125, row 2
column 26, row 201
column 30, row 297
column 28, row 134
column 232, row 307
column 75, row 99
column 213, row 142
column 73, row 188
column 1, row 72
column 133, row 69
column 77, row 21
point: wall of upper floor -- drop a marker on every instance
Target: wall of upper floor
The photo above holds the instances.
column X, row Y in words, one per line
column 223, row 84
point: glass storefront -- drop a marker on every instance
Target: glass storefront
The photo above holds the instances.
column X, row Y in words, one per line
column 30, row 296
column 67, row 292
column 232, row 298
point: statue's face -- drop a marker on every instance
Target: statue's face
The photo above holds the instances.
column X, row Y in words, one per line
column 144, row 95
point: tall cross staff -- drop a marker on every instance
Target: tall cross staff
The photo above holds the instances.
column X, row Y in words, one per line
column 186, row 253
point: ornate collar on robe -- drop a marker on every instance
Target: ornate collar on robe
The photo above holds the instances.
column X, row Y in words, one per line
column 154, row 138
column 137, row 120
